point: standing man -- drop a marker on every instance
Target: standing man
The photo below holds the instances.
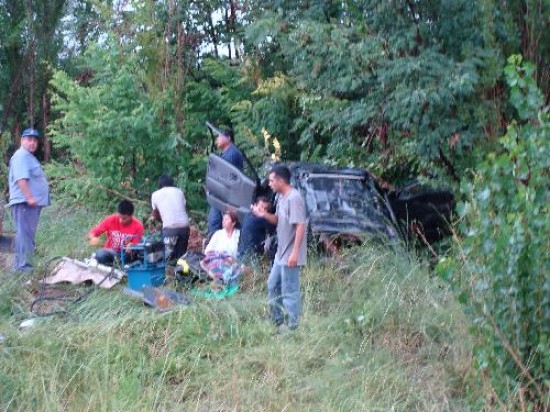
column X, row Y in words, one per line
column 229, row 152
column 169, row 207
column 283, row 284
column 29, row 193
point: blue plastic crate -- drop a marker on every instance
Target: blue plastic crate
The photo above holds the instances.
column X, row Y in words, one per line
column 140, row 277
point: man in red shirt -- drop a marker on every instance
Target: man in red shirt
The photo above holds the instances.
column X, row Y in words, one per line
column 121, row 228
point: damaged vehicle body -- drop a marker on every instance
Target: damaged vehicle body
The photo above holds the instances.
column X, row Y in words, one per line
column 344, row 205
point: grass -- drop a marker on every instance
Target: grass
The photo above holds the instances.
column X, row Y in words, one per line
column 378, row 333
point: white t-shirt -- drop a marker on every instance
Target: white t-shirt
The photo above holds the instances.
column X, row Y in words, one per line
column 170, row 202
column 220, row 242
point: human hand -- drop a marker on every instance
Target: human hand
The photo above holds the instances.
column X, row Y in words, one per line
column 257, row 211
column 32, row 202
column 94, row 241
column 292, row 260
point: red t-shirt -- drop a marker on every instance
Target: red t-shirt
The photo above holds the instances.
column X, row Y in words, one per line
column 118, row 235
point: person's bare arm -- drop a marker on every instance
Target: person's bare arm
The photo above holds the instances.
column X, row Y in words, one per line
column 95, row 241
column 156, row 215
column 300, row 233
column 24, row 186
column 94, row 235
column 270, row 217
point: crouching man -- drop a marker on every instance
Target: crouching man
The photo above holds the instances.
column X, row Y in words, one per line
column 283, row 284
column 254, row 231
column 122, row 229
column 169, row 207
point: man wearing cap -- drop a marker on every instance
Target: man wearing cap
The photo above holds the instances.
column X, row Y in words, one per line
column 229, row 152
column 29, row 193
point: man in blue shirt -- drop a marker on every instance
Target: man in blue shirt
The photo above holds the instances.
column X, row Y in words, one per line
column 29, row 193
column 229, row 152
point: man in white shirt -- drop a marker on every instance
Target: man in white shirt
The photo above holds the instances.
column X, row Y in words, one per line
column 169, row 207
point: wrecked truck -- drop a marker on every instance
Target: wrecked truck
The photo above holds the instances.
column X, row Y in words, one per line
column 344, row 205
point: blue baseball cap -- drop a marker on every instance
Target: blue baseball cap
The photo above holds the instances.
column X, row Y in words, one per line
column 30, row 133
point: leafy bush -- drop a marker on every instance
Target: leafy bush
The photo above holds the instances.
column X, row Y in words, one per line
column 397, row 87
column 119, row 136
column 506, row 246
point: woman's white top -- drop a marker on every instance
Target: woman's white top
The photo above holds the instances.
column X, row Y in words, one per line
column 221, row 242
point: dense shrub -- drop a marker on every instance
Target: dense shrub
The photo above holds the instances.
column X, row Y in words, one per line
column 505, row 249
column 120, row 137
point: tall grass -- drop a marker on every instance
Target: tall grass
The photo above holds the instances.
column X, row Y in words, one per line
column 378, row 333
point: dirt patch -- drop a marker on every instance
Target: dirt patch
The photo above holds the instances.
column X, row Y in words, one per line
column 196, row 239
column 6, row 260
column 404, row 346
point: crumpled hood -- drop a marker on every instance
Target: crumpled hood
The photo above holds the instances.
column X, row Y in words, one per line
column 341, row 201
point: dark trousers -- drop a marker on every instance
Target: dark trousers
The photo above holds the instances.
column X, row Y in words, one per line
column 25, row 219
column 110, row 257
column 106, row 256
column 175, row 242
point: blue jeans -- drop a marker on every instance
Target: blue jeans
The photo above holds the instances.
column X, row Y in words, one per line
column 283, row 294
column 110, row 257
column 25, row 218
column 106, row 257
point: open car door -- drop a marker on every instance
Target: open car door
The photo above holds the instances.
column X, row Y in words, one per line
column 227, row 187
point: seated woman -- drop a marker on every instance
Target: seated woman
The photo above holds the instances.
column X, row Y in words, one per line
column 226, row 240
column 221, row 252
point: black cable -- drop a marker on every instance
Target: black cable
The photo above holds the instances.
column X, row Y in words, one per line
column 79, row 297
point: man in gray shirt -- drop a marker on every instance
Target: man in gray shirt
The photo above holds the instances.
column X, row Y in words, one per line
column 283, row 284
column 29, row 192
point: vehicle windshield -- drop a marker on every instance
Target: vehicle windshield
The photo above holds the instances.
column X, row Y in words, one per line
column 340, row 196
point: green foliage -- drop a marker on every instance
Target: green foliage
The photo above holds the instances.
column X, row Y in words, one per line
column 114, row 128
column 235, row 97
column 383, row 84
column 30, row 44
column 403, row 88
column 506, row 246
column 525, row 96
